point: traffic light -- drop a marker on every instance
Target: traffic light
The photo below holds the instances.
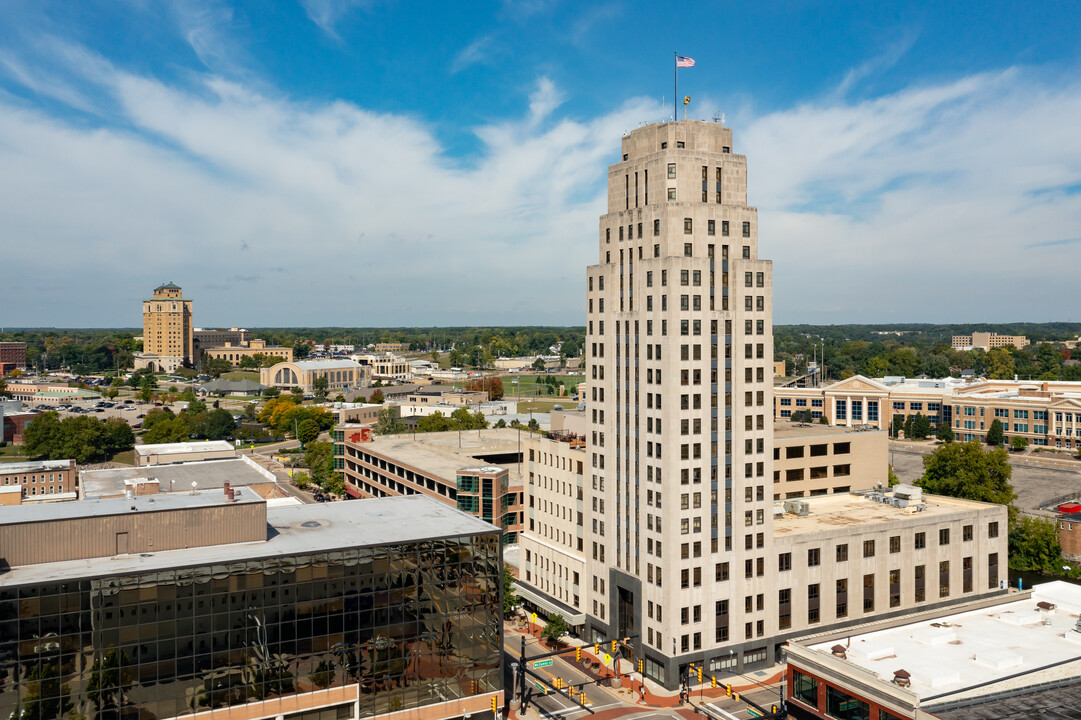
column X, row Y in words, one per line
column 495, row 705
column 641, row 665
column 597, row 649
column 614, row 645
column 773, row 709
column 713, row 680
column 728, row 689
column 473, row 687
column 578, row 654
column 735, row 696
column 559, row 683
column 699, row 675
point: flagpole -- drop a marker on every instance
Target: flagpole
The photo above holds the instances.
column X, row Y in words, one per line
column 675, row 84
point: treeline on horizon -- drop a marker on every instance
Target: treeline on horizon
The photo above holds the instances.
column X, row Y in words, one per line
column 921, row 349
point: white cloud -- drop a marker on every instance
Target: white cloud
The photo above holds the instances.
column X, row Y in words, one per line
column 476, row 52
column 327, row 13
column 207, row 27
column 949, row 201
column 924, row 204
column 217, row 186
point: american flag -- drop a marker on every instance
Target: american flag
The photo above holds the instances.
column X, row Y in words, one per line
column 684, row 62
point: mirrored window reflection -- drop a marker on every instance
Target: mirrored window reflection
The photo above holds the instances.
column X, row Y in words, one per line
column 412, row 625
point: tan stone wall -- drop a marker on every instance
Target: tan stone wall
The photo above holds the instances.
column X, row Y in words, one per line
column 879, row 565
column 828, row 462
column 553, row 538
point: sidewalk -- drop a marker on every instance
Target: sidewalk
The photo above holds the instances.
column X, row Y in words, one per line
column 646, row 693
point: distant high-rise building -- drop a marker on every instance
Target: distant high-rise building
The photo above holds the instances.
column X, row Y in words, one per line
column 168, row 340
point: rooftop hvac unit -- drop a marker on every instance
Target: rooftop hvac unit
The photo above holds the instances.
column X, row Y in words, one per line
column 909, row 492
column 900, row 502
column 797, row 507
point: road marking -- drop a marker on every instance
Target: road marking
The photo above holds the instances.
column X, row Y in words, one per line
column 721, row 711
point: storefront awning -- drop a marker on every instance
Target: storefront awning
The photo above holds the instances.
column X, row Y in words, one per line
column 541, row 600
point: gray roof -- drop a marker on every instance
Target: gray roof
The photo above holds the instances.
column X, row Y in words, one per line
column 222, row 385
column 104, row 507
column 34, row 466
column 208, row 473
column 373, row 522
column 326, row 364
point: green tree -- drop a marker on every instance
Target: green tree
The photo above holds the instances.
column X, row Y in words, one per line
column 945, row 433
column 302, row 479
column 1019, row 443
column 966, row 470
column 892, row 476
column 556, row 628
column 389, row 423
column 994, row 433
column 217, row 424
column 307, row 431
column 118, row 435
column 216, row 367
column 42, row 434
column 1000, row 364
column 510, row 600
column 319, row 458
column 501, row 424
column 1034, row 546
column 538, row 364
column 921, row 426
column 271, row 392
column 168, row 430
column 319, row 388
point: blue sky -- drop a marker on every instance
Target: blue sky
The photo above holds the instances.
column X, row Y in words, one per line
column 352, row 162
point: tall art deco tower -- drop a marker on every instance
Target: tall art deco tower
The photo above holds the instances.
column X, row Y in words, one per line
column 679, row 348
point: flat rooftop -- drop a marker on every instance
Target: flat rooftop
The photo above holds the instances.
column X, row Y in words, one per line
column 948, row 655
column 104, row 507
column 846, row 510
column 34, row 466
column 439, row 454
column 790, row 430
column 292, row 530
column 184, row 447
column 209, row 474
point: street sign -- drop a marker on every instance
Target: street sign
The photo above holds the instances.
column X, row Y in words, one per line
column 751, row 712
column 533, row 617
column 537, row 664
column 607, row 659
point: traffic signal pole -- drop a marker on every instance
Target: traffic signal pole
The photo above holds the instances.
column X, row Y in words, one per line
column 525, row 693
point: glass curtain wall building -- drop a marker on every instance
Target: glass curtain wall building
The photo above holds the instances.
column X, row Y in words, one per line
column 369, row 629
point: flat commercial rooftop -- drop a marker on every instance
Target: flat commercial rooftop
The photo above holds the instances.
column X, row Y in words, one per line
column 439, row 453
column 845, row 510
column 207, row 474
column 34, row 466
column 786, row 430
column 1002, row 645
column 104, row 507
column 291, row 530
column 183, row 447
